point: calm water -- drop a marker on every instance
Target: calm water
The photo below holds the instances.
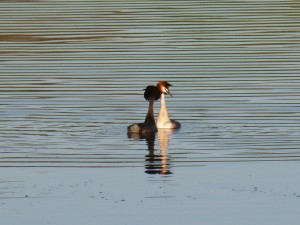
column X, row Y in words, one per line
column 72, row 76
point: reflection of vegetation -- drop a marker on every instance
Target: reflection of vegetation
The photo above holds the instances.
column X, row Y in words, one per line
column 42, row 38
column 20, row 38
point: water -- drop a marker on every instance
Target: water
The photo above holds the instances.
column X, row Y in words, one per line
column 72, row 79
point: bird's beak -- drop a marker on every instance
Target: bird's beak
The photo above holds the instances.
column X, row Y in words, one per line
column 167, row 91
column 170, row 91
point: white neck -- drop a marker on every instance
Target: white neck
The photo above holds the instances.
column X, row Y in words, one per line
column 163, row 116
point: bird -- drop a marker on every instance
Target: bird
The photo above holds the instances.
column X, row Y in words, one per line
column 163, row 119
column 151, row 94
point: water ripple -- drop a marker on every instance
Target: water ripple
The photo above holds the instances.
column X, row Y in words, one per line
column 73, row 74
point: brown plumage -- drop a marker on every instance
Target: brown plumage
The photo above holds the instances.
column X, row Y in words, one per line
column 151, row 94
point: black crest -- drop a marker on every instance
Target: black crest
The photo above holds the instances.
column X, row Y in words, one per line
column 151, row 92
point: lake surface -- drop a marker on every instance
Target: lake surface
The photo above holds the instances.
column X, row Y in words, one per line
column 72, row 75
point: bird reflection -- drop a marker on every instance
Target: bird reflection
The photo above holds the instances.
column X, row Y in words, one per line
column 156, row 163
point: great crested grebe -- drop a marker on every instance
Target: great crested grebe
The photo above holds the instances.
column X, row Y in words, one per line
column 163, row 119
column 151, row 94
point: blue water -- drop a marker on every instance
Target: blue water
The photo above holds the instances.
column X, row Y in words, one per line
column 71, row 80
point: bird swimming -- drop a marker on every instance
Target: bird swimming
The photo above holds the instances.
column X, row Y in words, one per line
column 151, row 94
column 163, row 119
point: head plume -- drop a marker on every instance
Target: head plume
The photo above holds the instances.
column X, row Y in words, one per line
column 151, row 92
column 163, row 87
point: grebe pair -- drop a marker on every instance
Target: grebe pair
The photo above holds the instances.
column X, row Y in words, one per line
column 151, row 94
